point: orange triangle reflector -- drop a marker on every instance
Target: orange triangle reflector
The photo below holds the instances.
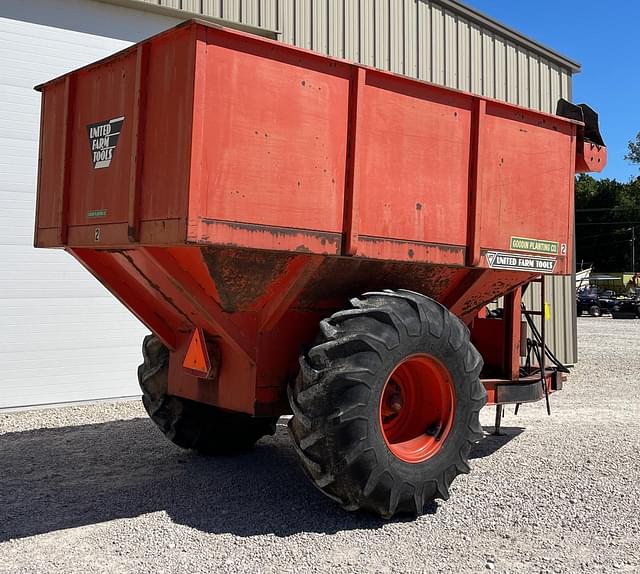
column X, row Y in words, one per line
column 197, row 358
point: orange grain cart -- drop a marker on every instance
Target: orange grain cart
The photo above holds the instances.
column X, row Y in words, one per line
column 244, row 225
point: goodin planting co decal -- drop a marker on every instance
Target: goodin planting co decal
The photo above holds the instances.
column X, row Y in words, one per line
column 103, row 139
column 520, row 262
column 535, row 245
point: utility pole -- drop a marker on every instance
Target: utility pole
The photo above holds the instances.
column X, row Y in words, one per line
column 633, row 249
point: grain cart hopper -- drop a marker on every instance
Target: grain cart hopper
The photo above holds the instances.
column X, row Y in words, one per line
column 304, row 235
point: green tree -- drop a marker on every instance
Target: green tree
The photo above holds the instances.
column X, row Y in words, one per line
column 634, row 150
column 586, row 189
column 606, row 210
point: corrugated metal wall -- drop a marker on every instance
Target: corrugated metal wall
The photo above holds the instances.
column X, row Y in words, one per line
column 423, row 39
column 439, row 41
column 560, row 294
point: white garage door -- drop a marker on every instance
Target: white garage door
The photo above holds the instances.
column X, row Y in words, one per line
column 63, row 337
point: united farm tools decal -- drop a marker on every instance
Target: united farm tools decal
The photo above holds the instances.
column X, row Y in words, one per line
column 103, row 139
column 497, row 260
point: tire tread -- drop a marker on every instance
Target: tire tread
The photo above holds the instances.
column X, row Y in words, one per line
column 350, row 347
column 189, row 424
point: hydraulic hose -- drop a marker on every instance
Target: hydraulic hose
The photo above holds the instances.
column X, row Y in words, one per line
column 536, row 335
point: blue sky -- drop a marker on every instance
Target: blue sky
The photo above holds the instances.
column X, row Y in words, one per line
column 604, row 37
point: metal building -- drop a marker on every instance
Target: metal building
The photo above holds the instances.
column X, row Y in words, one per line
column 62, row 336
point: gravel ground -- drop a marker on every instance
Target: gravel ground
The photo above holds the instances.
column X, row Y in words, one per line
column 97, row 489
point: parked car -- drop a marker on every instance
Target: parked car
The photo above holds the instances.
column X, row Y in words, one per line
column 627, row 306
column 595, row 301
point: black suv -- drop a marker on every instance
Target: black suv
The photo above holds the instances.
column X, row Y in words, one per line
column 595, row 301
column 627, row 306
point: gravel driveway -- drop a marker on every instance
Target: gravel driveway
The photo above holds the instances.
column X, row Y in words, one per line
column 98, row 489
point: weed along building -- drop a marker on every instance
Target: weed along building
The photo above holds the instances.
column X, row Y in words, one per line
column 64, row 337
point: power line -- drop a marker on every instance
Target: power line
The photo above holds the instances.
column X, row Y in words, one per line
column 596, row 235
column 609, row 243
column 611, row 223
column 590, row 209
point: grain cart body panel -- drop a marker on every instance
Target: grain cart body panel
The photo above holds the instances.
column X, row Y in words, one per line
column 282, row 183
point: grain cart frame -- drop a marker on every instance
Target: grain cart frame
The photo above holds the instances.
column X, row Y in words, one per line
column 244, row 227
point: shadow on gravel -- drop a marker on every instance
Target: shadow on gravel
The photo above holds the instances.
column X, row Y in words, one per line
column 52, row 479
column 491, row 442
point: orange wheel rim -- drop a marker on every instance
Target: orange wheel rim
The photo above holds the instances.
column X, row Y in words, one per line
column 417, row 408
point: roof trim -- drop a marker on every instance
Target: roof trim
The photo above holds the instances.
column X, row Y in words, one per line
column 488, row 22
column 189, row 15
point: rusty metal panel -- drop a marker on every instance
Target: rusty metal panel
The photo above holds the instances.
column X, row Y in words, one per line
column 437, row 129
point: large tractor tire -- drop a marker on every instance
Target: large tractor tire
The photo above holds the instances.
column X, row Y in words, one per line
column 386, row 405
column 189, row 424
